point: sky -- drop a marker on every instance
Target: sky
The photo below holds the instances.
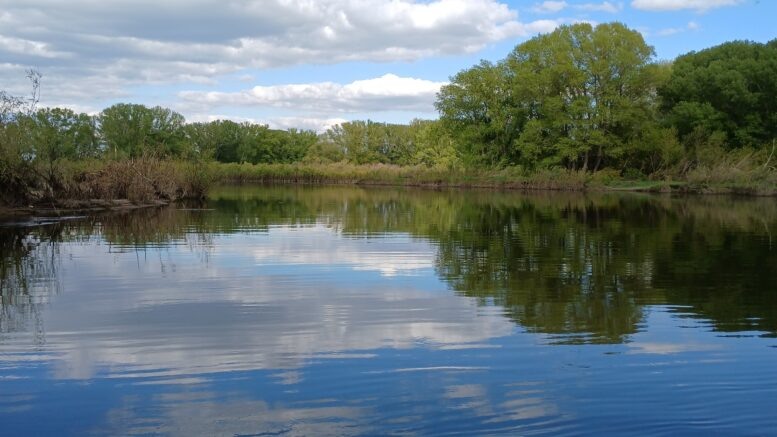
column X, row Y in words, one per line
column 313, row 63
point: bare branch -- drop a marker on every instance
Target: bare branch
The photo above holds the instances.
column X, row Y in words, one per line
column 35, row 79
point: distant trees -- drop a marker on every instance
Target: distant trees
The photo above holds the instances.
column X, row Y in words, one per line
column 62, row 133
column 422, row 142
column 132, row 130
column 227, row 141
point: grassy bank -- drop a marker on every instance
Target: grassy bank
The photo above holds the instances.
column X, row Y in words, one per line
column 130, row 183
column 725, row 178
column 382, row 174
column 95, row 184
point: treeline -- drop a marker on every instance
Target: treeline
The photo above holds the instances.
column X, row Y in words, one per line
column 131, row 130
column 579, row 99
column 588, row 98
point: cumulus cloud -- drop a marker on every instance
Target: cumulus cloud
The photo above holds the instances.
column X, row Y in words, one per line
column 129, row 42
column 316, row 124
column 548, row 7
column 306, row 123
column 609, row 7
column 552, row 7
column 676, row 5
column 388, row 92
column 692, row 25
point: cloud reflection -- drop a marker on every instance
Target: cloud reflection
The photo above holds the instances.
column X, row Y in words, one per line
column 165, row 315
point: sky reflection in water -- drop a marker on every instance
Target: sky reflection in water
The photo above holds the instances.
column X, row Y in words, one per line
column 346, row 311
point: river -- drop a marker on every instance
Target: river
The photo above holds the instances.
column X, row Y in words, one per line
column 354, row 311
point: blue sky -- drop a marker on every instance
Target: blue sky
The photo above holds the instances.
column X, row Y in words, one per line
column 310, row 64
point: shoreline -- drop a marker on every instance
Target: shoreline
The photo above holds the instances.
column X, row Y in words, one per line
column 70, row 207
column 381, row 175
column 510, row 178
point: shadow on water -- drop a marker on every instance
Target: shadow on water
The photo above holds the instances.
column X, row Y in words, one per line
column 583, row 269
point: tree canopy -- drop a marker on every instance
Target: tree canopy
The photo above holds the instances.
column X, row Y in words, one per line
column 575, row 97
column 730, row 88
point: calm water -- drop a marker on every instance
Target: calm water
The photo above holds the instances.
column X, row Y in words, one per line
column 345, row 311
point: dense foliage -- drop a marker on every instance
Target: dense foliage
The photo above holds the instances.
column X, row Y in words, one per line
column 586, row 97
column 730, row 89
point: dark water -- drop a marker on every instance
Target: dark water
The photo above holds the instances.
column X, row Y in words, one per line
column 342, row 311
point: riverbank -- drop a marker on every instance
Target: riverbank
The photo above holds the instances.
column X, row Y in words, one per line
column 90, row 186
column 70, row 207
column 93, row 185
column 709, row 182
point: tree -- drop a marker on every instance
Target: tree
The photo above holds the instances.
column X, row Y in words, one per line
column 58, row 133
column 434, row 146
column 730, row 88
column 478, row 109
column 574, row 97
column 587, row 92
column 17, row 175
column 132, row 130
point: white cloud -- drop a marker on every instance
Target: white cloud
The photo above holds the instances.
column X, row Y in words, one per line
column 669, row 348
column 676, row 5
column 552, row 7
column 549, row 7
column 669, row 31
column 608, row 7
column 692, row 25
column 316, row 124
column 388, row 92
column 125, row 43
column 306, row 123
column 27, row 47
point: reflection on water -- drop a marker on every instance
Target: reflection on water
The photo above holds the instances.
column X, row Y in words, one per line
column 345, row 311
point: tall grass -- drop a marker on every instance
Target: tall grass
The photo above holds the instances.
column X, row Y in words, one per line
column 138, row 181
column 739, row 171
column 383, row 174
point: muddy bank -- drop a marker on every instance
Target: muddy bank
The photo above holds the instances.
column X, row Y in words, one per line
column 69, row 209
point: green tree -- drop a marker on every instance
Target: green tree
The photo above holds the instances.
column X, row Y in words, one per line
column 574, row 97
column 730, row 88
column 434, row 146
column 478, row 108
column 132, row 130
column 588, row 91
column 58, row 133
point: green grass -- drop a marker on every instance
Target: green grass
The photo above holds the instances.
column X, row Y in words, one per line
column 382, row 174
column 147, row 180
column 719, row 180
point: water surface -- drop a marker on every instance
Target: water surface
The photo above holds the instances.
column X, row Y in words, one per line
column 348, row 311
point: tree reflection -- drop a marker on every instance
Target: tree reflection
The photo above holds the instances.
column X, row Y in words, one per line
column 29, row 260
column 580, row 268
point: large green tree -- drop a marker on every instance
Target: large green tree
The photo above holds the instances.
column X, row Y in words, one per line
column 132, row 130
column 478, row 108
column 730, row 88
column 574, row 97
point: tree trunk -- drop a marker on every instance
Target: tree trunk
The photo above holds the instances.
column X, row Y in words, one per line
column 598, row 159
